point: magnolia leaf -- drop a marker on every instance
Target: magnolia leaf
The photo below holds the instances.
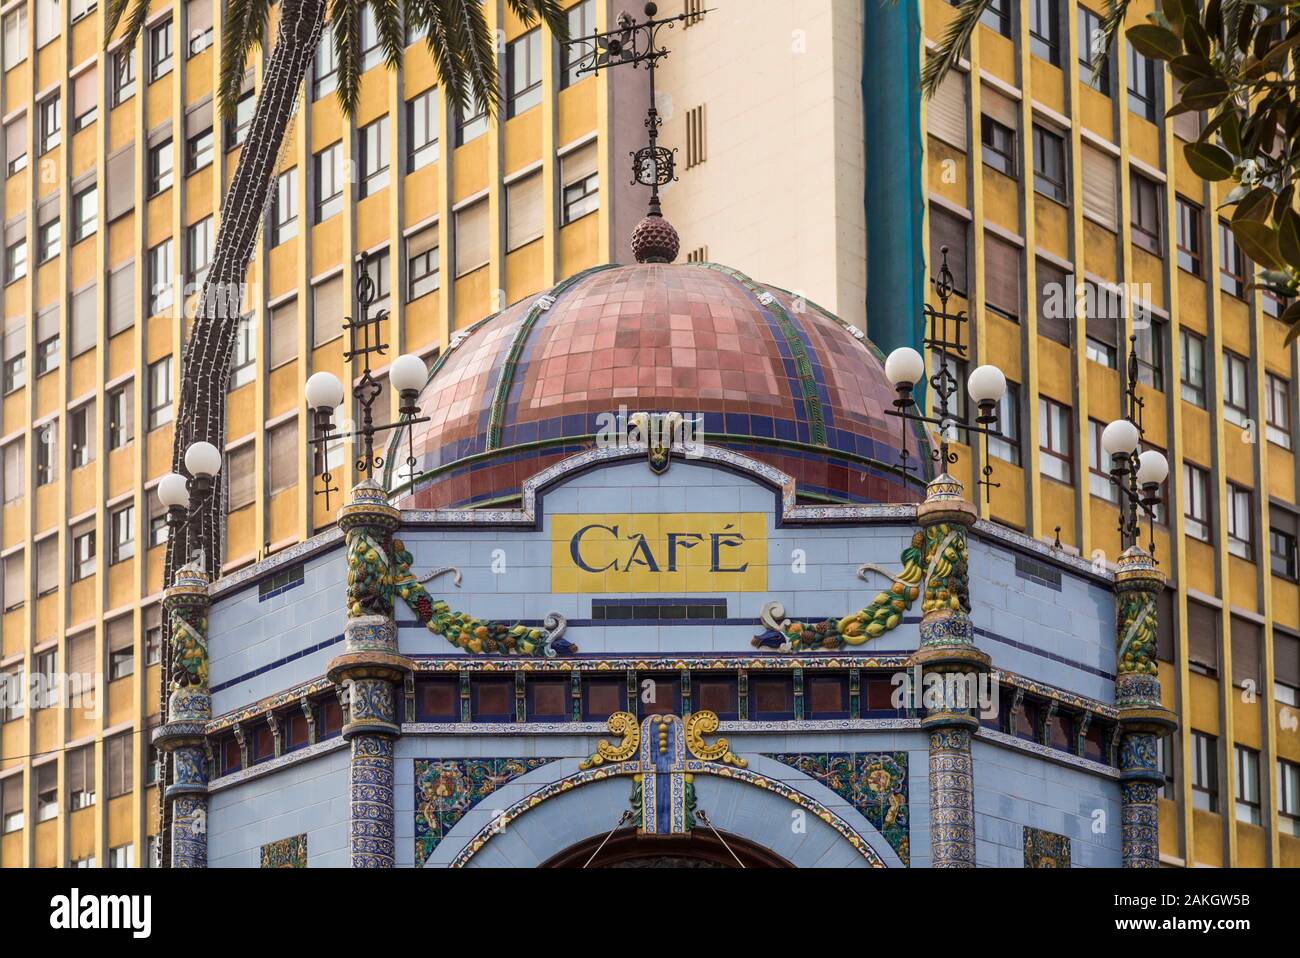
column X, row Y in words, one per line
column 1259, row 241
column 1204, row 94
column 1288, row 236
column 1195, row 38
column 1188, row 68
column 1154, row 42
column 1208, row 161
column 1255, row 205
column 1230, row 130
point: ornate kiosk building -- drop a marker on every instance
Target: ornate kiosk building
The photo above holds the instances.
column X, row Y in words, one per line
column 651, row 585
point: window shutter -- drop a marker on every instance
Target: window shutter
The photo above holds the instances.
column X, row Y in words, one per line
column 240, row 468
column 282, row 456
column 1002, row 274
column 1187, row 126
column 47, row 211
column 118, row 759
column 16, row 138
column 198, row 119
column 417, row 244
column 1203, row 635
column 47, row 324
column 15, row 340
column 1003, row 109
column 85, row 91
column 579, row 164
column 121, row 183
column 83, row 320
column 1246, row 641
column 946, row 118
column 948, row 229
column 1104, row 313
column 15, row 488
column 472, row 238
column 1166, row 645
column 121, row 299
column 1099, row 186
column 198, row 17
column 81, row 654
column 327, row 310
column 1286, row 658
column 524, row 211
column 121, row 634
column 284, row 333
column 14, row 585
column 11, row 796
column 76, row 768
column 1055, row 302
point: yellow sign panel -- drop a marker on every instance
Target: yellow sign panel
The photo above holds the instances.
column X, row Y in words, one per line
column 666, row 554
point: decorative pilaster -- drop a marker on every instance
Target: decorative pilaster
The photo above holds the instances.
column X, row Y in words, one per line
column 189, row 707
column 948, row 650
column 372, row 670
column 1142, row 717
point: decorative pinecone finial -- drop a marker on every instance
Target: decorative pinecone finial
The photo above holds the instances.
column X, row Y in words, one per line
column 655, row 240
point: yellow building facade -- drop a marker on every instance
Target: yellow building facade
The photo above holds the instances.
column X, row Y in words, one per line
column 116, row 162
column 1052, row 176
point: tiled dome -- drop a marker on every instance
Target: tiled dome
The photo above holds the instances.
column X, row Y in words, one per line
column 784, row 383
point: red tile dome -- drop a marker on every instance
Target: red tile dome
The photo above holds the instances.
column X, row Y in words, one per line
column 777, row 379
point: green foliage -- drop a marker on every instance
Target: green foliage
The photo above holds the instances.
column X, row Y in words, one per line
column 456, row 32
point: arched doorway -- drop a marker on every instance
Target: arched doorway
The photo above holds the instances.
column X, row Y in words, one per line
column 699, row 849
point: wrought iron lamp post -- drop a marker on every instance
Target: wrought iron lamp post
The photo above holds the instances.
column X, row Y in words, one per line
column 905, row 367
column 184, row 495
column 1137, row 475
column 324, row 392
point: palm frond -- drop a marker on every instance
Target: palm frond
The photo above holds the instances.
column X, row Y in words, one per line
column 392, row 37
column 472, row 45
column 243, row 29
column 113, row 16
column 345, row 19
column 952, row 46
column 139, row 12
column 432, row 18
column 550, row 12
column 1111, row 24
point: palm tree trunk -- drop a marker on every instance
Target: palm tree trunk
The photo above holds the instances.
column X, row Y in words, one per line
column 205, row 362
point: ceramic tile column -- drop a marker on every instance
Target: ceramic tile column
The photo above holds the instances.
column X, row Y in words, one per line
column 372, row 670
column 1142, row 717
column 189, row 707
column 948, row 650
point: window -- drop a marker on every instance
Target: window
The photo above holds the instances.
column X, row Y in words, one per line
column 373, row 142
column 1205, row 772
column 329, row 181
column 1236, row 389
column 1282, row 543
column 1241, row 538
column 16, row 260
column 326, row 309
column 1099, row 483
column 14, row 582
column 948, row 229
column 45, row 672
column 1277, row 409
column 49, row 130
column 81, row 8
column 284, row 208
column 697, row 137
column 47, row 341
column 1151, row 340
column 582, row 23
column 581, row 183
column 240, row 466
column 47, row 458
column 422, row 130
column 15, row 361
column 949, row 111
column 15, row 37
column 85, row 99
column 471, row 238
column 123, row 528
column 1091, row 38
column 1049, row 164
column 152, row 622
column 472, row 126
column 119, row 761
column 198, row 151
column 284, row 333
column 15, row 145
column 422, row 266
column 15, row 479
column 1145, row 201
column 999, row 145
column 1232, row 263
column 49, row 241
column 1054, row 440
column 158, row 528
column 198, row 20
column 1288, row 797
column 47, row 791
column 1192, row 350
column 997, row 17
column 1002, row 276
column 198, row 251
column 47, row 571
column 13, row 699
column 1100, row 187
column 1286, row 666
column 523, row 72
column 49, row 21
column 1141, row 85
column 83, row 554
column 282, row 457
column 11, row 793
column 123, row 75
column 160, row 393
column 160, row 50
column 79, row 436
column 1045, row 30
column 243, row 361
column 372, row 53
column 237, row 126
column 161, row 278
column 325, row 67
column 121, row 412
column 1247, row 785
column 1196, row 508
column 85, row 214
column 121, row 856
column 161, row 165
column 525, row 212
